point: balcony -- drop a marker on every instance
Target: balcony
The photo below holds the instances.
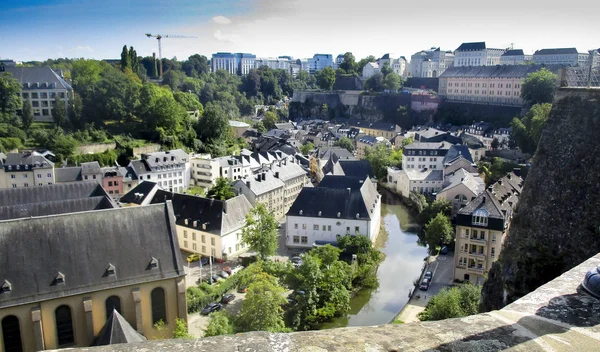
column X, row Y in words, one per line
column 474, row 269
column 478, row 240
column 476, row 254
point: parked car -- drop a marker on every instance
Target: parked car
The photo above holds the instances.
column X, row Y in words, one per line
column 216, row 277
column 211, row 307
column 236, row 269
column 242, row 289
column 428, row 275
column 223, row 274
column 227, row 298
column 424, row 285
column 204, row 260
column 227, row 269
column 296, row 261
column 194, row 257
column 444, row 250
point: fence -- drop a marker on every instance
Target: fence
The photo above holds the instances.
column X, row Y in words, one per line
column 583, row 76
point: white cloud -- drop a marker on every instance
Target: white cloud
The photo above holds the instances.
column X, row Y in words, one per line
column 221, row 20
column 220, row 36
column 85, row 48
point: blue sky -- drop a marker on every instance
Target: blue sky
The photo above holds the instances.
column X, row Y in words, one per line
column 36, row 30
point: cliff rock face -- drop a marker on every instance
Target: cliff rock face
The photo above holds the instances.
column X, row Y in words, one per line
column 557, row 221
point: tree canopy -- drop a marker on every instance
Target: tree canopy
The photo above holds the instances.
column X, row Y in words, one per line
column 10, row 100
column 526, row 132
column 539, row 87
column 381, row 157
column 260, row 232
column 222, row 190
column 326, row 78
column 262, row 308
column 438, row 230
column 454, row 302
column 346, row 143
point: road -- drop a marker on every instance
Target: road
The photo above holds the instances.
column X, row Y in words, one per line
column 197, row 322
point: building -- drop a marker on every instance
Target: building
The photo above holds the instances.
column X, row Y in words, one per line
column 171, row 170
column 41, row 86
column 114, row 179
column 278, row 63
column 476, row 54
column 560, row 56
column 494, row 85
column 481, row 228
column 126, row 260
column 430, row 63
column 238, row 127
column 294, row 179
column 370, row 69
column 235, row 64
column 460, row 187
column 398, row 65
column 375, row 129
column 319, row 62
column 264, row 188
column 360, row 169
column 515, row 57
column 323, row 160
column 26, row 169
column 364, row 142
column 340, row 206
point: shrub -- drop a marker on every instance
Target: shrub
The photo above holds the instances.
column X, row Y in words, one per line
column 199, row 297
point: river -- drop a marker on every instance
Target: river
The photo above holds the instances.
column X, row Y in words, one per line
column 402, row 265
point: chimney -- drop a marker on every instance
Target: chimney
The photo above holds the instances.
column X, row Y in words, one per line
column 483, row 200
column 349, row 190
column 248, row 184
column 500, row 182
column 264, row 176
column 276, row 174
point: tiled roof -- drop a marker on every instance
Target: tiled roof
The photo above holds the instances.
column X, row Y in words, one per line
column 485, row 201
column 40, row 75
column 34, row 159
column 556, row 51
column 474, row 183
column 471, row 46
column 429, row 145
column 514, row 52
column 67, row 174
column 354, row 168
column 458, row 151
column 50, row 193
column 117, row 330
column 258, row 186
column 426, row 175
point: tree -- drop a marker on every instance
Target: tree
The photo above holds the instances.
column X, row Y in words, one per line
column 125, row 58
column 59, row 112
column 10, row 100
column 189, row 101
column 539, row 87
column 327, row 254
column 392, row 82
column 526, row 132
column 260, row 232
column 363, row 62
column 222, row 189
column 379, row 157
column 181, row 330
column 454, row 302
column 270, row 119
column 386, row 69
column 438, row 230
column 306, row 148
column 27, row 115
column 214, row 124
column 219, row 325
column 346, row 143
column 260, row 127
column 261, row 310
column 375, row 83
column 349, row 64
column 326, row 78
column 432, row 210
column 75, row 112
column 495, row 143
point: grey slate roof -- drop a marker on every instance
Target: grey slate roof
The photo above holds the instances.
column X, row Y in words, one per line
column 288, row 171
column 514, row 52
column 49, row 193
column 503, row 71
column 341, row 182
column 556, row 51
column 139, row 167
column 339, row 152
column 141, row 194
column 456, row 151
column 117, row 330
column 471, row 46
column 89, row 168
column 68, row 174
column 32, row 159
column 428, row 146
column 127, row 238
column 172, row 157
column 258, row 186
column 354, row 168
column 37, row 75
column 10, row 212
column 382, row 126
column 485, row 201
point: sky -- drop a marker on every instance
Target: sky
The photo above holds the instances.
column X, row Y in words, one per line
column 37, row 30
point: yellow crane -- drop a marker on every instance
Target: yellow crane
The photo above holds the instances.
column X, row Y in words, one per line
column 159, row 37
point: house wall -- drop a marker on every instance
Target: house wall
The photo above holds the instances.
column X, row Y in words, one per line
column 333, row 227
column 499, row 91
column 204, row 172
column 175, row 308
column 231, row 244
column 113, row 185
column 194, row 240
column 30, row 178
column 491, row 252
column 455, row 191
column 42, row 101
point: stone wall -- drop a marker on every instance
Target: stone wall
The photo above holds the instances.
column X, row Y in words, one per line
column 557, row 220
column 95, row 148
column 137, row 152
column 558, row 316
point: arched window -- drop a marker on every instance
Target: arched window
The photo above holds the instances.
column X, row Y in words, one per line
column 159, row 309
column 460, row 199
column 11, row 333
column 112, row 302
column 64, row 325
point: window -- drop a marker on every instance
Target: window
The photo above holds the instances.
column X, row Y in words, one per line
column 159, row 309
column 39, row 175
column 316, row 227
column 184, row 234
column 203, row 249
column 328, row 227
column 296, row 226
column 203, row 239
column 13, row 176
column 112, row 303
column 494, row 238
column 324, row 228
column 26, row 184
column 64, row 325
column 212, row 241
column 296, row 239
column 11, row 333
column 493, row 252
column 213, row 252
column 303, row 226
column 24, row 175
column 193, row 236
column 304, row 239
column 356, row 229
column 480, row 217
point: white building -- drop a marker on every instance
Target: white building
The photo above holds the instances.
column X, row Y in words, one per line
column 235, row 64
column 560, row 56
column 515, row 57
column 477, row 54
column 430, row 63
column 170, row 170
column 370, row 69
column 340, row 206
column 495, row 85
column 397, row 64
column 25, row 169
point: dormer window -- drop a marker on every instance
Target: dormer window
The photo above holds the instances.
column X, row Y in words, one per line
column 480, row 217
column 153, row 263
column 6, row 287
column 59, row 278
column 110, row 270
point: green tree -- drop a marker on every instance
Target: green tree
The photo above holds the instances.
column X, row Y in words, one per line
column 495, row 143
column 386, row 69
column 189, row 101
column 438, row 230
column 392, row 82
column 454, row 302
column 270, row 119
column 214, row 124
column 260, row 232
column 10, row 100
column 181, row 330
column 379, row 157
column 539, row 87
column 219, row 324
column 125, row 58
column 75, row 112
column 261, row 310
column 526, row 132
column 327, row 254
column 363, row 62
column 59, row 112
column 222, row 189
column 346, row 143
column 326, row 78
column 27, row 115
column 260, row 127
column 349, row 64
column 306, row 148
column 375, row 83
column 432, row 210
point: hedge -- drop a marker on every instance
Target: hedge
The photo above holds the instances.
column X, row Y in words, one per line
column 199, row 297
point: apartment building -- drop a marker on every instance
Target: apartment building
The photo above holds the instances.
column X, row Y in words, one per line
column 263, row 188
column 560, row 56
column 430, row 63
column 294, row 179
column 397, row 64
column 364, row 142
column 26, row 169
column 340, row 206
column 375, row 129
column 319, row 62
column 481, row 228
column 170, row 170
column 515, row 57
column 495, row 85
column 235, row 64
column 41, row 86
column 476, row 54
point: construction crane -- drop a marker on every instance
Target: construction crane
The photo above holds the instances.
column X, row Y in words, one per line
column 159, row 37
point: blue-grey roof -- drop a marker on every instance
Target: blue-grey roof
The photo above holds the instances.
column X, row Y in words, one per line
column 556, row 51
column 514, row 52
column 40, row 75
column 506, row 71
column 49, row 193
column 67, row 174
column 471, row 46
column 457, row 151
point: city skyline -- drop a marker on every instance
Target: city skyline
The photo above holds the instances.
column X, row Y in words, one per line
column 268, row 28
